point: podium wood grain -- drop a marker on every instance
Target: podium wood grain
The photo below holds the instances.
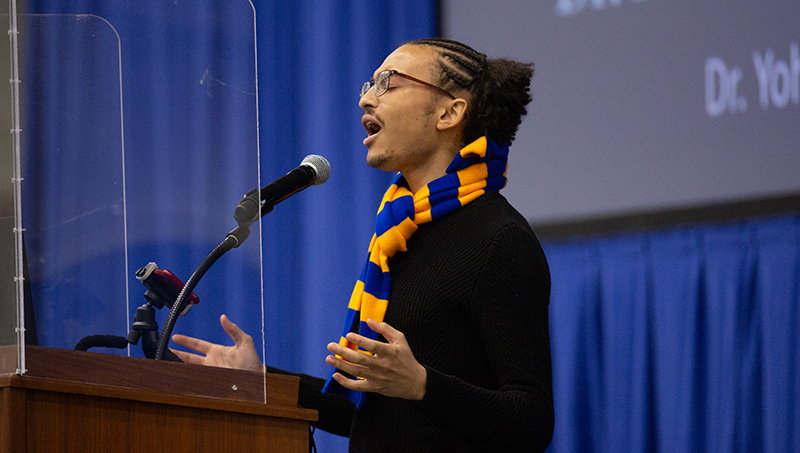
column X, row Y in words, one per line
column 76, row 401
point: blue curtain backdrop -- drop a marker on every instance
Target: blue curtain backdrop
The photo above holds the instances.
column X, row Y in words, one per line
column 190, row 139
column 675, row 340
column 189, row 143
column 679, row 340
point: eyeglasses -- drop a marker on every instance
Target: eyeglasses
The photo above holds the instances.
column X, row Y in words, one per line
column 381, row 83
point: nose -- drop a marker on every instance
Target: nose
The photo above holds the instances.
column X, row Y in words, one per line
column 369, row 100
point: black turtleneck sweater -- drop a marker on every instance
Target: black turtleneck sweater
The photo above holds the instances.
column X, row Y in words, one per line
column 471, row 297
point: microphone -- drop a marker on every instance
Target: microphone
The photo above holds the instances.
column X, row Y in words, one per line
column 313, row 171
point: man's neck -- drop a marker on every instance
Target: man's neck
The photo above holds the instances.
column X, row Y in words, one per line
column 434, row 168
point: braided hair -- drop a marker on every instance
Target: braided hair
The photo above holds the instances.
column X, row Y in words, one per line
column 500, row 89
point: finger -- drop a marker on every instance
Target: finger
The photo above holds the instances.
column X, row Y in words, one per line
column 192, row 343
column 188, row 357
column 364, row 342
column 390, row 333
column 347, row 366
column 352, row 384
column 238, row 335
column 348, row 354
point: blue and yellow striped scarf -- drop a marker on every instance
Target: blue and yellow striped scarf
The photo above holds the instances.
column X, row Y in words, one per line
column 477, row 168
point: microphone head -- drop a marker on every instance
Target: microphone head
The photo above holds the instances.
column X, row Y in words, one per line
column 321, row 167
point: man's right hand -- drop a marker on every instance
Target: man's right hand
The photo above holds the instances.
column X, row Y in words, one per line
column 242, row 355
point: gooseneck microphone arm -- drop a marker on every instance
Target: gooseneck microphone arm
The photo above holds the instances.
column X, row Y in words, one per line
column 180, row 302
column 314, row 170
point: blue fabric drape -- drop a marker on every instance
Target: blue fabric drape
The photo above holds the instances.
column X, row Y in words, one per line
column 189, row 147
column 186, row 72
column 317, row 55
column 679, row 340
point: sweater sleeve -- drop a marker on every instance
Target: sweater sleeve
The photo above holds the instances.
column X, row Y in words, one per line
column 334, row 412
column 509, row 307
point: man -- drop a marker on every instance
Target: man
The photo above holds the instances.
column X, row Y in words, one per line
column 447, row 327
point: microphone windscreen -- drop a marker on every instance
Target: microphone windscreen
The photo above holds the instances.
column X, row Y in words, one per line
column 321, row 167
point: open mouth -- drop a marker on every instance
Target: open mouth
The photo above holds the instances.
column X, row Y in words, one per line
column 371, row 126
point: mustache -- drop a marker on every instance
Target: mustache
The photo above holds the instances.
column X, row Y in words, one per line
column 371, row 112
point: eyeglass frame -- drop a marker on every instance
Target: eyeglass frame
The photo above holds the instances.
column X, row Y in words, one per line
column 390, row 72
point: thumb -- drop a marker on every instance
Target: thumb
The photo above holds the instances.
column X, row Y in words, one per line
column 238, row 335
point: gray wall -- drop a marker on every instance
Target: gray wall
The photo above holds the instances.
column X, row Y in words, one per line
column 645, row 105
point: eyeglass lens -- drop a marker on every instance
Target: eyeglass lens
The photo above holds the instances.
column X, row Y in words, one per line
column 381, row 84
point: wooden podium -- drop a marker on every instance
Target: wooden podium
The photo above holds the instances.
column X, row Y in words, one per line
column 73, row 401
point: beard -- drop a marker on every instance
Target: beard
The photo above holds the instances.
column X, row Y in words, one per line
column 377, row 160
column 392, row 155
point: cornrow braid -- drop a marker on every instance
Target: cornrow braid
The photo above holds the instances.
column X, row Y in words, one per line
column 500, row 88
column 459, row 63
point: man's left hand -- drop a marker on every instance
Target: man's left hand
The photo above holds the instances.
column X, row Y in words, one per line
column 391, row 370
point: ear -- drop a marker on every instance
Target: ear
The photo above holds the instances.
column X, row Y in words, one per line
column 453, row 114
